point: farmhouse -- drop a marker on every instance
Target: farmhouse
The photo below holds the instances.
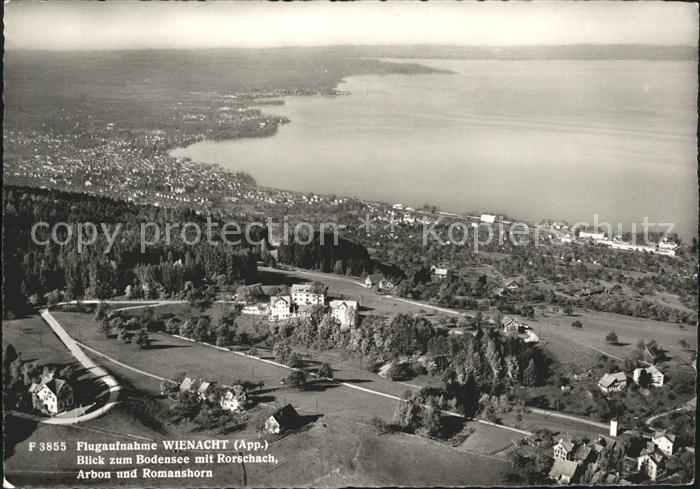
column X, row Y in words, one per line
column 564, row 450
column 233, row 399
column 651, row 354
column 439, row 274
column 187, row 384
column 655, row 376
column 52, row 395
column 488, row 218
column 205, row 388
column 652, row 464
column 373, row 280
column 345, row 312
column 564, row 471
column 281, row 420
column 308, row 294
column 280, row 307
column 612, row 382
column 386, row 285
column 664, row 441
column 513, row 285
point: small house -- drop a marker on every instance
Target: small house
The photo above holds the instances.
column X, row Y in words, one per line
column 564, row 471
column 655, row 376
column 233, row 399
column 652, row 354
column 373, row 280
column 187, row 384
column 281, row 420
column 664, row 441
column 512, row 285
column 308, row 294
column 651, row 464
column 612, row 382
column 439, row 274
column 205, row 388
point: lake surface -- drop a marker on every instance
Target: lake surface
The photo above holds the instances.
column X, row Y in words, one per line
column 562, row 139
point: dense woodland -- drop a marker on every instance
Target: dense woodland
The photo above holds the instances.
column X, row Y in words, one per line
column 40, row 273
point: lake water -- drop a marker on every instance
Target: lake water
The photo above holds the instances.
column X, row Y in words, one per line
column 562, row 139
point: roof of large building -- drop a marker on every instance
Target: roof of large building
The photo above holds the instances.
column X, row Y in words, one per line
column 338, row 303
column 286, row 415
column 277, row 298
column 561, row 467
column 308, row 288
column 609, row 379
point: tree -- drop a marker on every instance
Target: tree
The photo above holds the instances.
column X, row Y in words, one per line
column 325, row 371
column 644, row 379
column 187, row 406
column 142, row 339
column 106, row 328
column 568, row 310
column 684, row 344
column 296, row 379
column 295, row 360
column 101, row 311
column 430, row 422
column 611, row 338
column 530, row 374
column 577, row 324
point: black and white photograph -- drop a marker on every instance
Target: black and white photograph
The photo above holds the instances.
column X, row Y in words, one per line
column 349, row 244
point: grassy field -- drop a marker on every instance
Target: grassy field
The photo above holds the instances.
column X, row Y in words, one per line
column 579, row 347
column 34, row 340
column 345, row 449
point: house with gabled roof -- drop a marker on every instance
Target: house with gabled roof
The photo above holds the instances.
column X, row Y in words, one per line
column 53, row 396
column 612, row 382
column 653, row 464
column 205, row 388
column 652, row 354
column 439, row 273
column 656, row 377
column 564, row 471
column 345, row 312
column 280, row 307
column 373, row 280
column 233, row 399
column 664, row 441
column 564, row 449
column 188, row 384
column 281, row 420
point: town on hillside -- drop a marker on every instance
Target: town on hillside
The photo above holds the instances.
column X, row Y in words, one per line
column 249, row 245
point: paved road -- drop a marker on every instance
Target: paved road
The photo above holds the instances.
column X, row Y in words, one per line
column 570, row 417
column 100, row 373
column 688, row 406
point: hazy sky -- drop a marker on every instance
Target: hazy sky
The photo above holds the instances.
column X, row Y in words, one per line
column 130, row 24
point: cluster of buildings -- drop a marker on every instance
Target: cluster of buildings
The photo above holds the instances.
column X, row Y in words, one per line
column 301, row 300
column 513, row 327
column 648, row 458
column 649, row 376
column 666, row 246
column 230, row 398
